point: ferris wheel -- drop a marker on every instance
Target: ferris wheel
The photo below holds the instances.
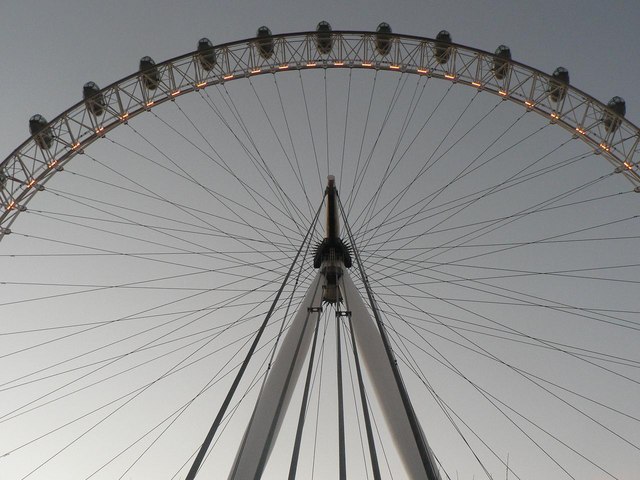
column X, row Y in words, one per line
column 326, row 254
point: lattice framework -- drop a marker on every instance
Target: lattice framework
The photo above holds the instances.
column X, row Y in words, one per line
column 26, row 170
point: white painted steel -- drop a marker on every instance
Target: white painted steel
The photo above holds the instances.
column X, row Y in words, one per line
column 275, row 396
column 372, row 352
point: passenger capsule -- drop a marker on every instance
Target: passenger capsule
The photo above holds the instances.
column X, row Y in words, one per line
column 616, row 108
column 265, row 44
column 42, row 134
column 150, row 73
column 558, row 84
column 383, row 39
column 501, row 62
column 93, row 98
column 206, row 54
column 443, row 49
column 324, row 42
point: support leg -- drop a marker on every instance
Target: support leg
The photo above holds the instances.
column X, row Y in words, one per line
column 274, row 398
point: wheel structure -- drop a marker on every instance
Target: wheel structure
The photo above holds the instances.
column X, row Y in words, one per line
column 160, row 239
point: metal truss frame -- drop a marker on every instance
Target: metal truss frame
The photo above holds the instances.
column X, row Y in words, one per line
column 26, row 170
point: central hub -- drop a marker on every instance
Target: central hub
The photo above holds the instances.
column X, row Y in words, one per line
column 332, row 254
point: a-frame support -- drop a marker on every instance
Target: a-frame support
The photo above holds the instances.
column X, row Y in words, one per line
column 333, row 284
column 381, row 375
column 276, row 392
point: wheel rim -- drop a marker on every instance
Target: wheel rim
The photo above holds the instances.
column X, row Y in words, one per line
column 425, row 277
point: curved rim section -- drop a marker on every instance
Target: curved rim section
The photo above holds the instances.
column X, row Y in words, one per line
column 29, row 167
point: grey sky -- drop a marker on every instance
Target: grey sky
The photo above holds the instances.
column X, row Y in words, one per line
column 51, row 48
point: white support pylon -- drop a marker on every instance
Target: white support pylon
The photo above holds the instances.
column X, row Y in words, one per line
column 372, row 352
column 333, row 285
column 275, row 395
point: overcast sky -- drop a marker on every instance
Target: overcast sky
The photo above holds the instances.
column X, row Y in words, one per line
column 51, row 48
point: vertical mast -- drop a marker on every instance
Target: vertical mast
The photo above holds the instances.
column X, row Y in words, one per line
column 332, row 225
column 332, row 255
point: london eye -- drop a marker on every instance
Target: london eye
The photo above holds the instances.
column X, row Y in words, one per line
column 323, row 254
